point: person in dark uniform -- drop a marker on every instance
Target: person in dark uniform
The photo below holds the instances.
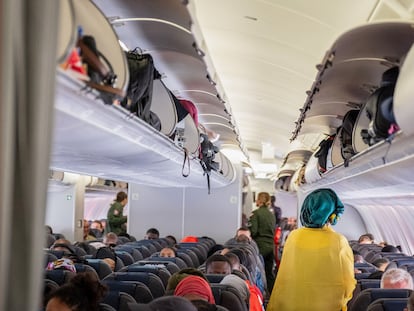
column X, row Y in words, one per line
column 262, row 227
column 116, row 219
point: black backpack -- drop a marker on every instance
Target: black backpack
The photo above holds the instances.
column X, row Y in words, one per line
column 322, row 152
column 139, row 95
column 207, row 154
column 379, row 108
column 347, row 150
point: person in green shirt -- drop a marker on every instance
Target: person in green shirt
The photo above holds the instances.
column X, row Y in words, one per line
column 116, row 222
column 262, row 227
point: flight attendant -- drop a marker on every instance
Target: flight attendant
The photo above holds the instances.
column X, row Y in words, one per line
column 317, row 267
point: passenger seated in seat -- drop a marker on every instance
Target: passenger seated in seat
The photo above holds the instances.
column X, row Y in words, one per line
column 82, row 292
column 317, row 268
column 195, row 288
column 381, row 264
column 152, row 234
column 366, row 238
column 397, row 278
column 168, row 252
column 218, row 264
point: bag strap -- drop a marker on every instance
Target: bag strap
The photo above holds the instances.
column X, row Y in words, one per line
column 92, row 58
column 186, row 159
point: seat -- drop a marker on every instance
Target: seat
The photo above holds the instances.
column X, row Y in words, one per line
column 167, row 262
column 135, row 253
column 105, row 307
column 228, row 297
column 214, row 278
column 118, row 300
column 388, row 304
column 49, row 286
column 126, row 257
column 361, row 285
column 367, row 296
column 151, row 280
column 160, row 271
column 360, row 276
column 80, row 267
column 186, row 258
column 49, row 257
column 365, row 267
column 100, row 266
column 138, row 290
column 60, row 276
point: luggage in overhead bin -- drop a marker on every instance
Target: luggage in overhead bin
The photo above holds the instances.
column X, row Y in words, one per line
column 348, row 123
column 140, row 89
column 379, row 109
column 88, row 50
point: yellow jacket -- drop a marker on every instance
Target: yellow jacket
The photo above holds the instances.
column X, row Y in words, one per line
column 316, row 272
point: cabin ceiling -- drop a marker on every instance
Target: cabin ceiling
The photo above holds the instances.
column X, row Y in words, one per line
column 264, row 54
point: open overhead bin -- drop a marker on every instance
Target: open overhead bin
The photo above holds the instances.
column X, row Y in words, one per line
column 108, row 141
column 353, row 93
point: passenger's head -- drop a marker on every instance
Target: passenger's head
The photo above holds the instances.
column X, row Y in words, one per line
column 263, row 199
column 122, row 198
column 272, row 199
column 245, row 232
column 180, row 275
column 96, row 224
column 110, row 239
column 82, row 292
column 194, row 288
column 48, row 229
column 171, row 239
column 320, row 207
column 63, row 245
column 397, row 278
column 366, row 238
column 239, row 284
column 234, row 260
column 381, row 263
column 167, row 252
column 152, row 234
column 218, row 264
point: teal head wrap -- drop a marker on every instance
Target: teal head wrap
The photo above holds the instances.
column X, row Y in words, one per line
column 319, row 206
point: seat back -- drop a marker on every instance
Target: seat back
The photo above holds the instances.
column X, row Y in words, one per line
column 138, row 290
column 214, row 278
column 161, row 271
column 100, row 266
column 126, row 257
column 59, row 276
column 388, row 304
column 169, row 263
column 228, row 297
column 105, row 307
column 367, row 296
column 151, row 280
column 118, row 300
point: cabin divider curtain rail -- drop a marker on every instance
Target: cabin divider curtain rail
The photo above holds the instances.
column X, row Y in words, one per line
column 28, row 36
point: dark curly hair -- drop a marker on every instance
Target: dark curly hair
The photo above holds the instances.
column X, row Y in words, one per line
column 83, row 292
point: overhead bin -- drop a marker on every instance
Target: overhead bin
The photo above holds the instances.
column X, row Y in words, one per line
column 350, row 75
column 106, row 141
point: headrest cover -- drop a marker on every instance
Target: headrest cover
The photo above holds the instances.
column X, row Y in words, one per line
column 319, row 206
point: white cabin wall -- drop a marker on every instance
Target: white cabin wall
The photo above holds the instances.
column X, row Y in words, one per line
column 217, row 215
column 185, row 211
column 60, row 210
column 157, row 207
column 65, row 208
column 351, row 224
